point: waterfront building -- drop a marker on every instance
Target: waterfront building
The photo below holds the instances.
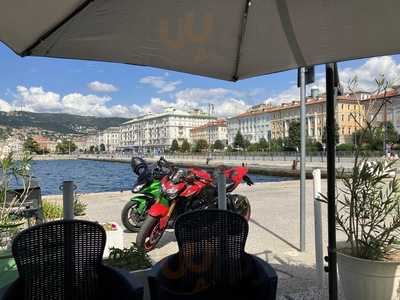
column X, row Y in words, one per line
column 110, row 138
column 347, row 109
column 155, row 132
column 211, row 132
column 253, row 124
column 12, row 144
column 272, row 122
column 388, row 110
column 92, row 140
column 45, row 144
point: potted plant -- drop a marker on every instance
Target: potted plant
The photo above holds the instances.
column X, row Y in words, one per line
column 115, row 237
column 11, row 222
column 134, row 260
column 368, row 213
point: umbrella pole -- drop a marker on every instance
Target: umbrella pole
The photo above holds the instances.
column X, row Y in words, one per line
column 303, row 159
column 331, row 170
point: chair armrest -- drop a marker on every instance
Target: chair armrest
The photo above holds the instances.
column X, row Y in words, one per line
column 266, row 283
column 120, row 284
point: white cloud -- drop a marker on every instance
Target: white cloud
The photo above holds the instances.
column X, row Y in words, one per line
column 161, row 83
column 372, row 69
column 37, row 99
column 5, row 106
column 102, row 87
column 366, row 74
column 226, row 102
column 77, row 103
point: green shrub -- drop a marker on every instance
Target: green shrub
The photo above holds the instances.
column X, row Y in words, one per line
column 345, row 147
column 52, row 211
column 133, row 258
column 79, row 207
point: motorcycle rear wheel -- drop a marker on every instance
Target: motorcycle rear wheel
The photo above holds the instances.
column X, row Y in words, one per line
column 149, row 234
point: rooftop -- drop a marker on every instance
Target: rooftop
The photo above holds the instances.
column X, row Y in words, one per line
column 354, row 97
column 216, row 123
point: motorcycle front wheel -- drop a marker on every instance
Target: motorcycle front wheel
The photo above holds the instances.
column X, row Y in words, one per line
column 149, row 234
column 130, row 217
column 240, row 204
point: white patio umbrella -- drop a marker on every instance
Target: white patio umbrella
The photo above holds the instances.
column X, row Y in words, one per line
column 225, row 39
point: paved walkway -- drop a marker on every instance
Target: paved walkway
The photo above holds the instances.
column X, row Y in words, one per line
column 273, row 233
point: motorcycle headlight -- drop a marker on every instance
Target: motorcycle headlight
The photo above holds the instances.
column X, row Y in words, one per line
column 138, row 188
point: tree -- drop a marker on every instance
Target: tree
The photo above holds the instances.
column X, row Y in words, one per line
column 294, row 134
column 392, row 137
column 201, row 145
column 218, row 145
column 336, row 135
column 246, row 144
column 277, row 144
column 239, row 140
column 373, row 138
column 185, row 146
column 102, row 147
column 174, row 146
column 253, row 147
column 31, row 146
column 65, row 146
column 262, row 144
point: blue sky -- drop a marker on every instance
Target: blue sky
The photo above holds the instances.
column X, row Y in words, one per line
column 107, row 89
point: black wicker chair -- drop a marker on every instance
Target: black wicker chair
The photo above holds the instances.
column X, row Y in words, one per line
column 62, row 260
column 211, row 262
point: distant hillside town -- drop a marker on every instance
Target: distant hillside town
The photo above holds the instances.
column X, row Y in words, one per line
column 263, row 127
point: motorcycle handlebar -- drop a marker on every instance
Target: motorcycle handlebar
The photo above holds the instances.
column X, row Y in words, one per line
column 163, row 163
column 248, row 180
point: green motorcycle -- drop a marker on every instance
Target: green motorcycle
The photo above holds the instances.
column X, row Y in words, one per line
column 145, row 191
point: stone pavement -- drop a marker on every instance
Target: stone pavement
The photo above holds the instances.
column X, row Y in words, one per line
column 273, row 232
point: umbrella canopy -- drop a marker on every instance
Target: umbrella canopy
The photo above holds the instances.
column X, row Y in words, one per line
column 226, row 39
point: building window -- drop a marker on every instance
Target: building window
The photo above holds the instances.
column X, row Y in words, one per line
column 342, row 117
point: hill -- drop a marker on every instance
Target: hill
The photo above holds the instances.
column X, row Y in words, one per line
column 58, row 122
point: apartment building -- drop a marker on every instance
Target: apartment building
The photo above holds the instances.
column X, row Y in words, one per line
column 385, row 106
column 12, row 144
column 110, row 138
column 347, row 109
column 211, row 132
column 272, row 122
column 45, row 143
column 155, row 132
column 253, row 124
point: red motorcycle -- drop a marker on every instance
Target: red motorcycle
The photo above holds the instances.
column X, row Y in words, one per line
column 186, row 190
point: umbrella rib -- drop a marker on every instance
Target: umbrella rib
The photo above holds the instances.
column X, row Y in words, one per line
column 289, row 32
column 43, row 37
column 235, row 76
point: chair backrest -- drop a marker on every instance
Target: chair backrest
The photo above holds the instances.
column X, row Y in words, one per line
column 60, row 260
column 211, row 248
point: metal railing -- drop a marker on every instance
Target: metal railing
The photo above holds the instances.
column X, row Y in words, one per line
column 238, row 156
